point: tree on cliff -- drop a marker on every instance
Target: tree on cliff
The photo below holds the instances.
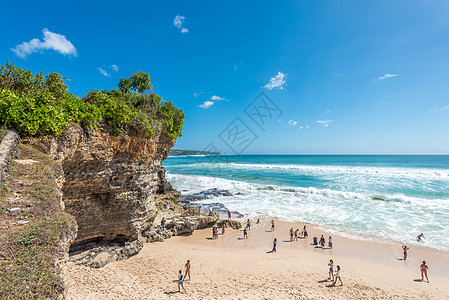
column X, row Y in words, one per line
column 139, row 82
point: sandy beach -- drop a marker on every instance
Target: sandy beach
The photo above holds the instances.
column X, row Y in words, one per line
column 233, row 268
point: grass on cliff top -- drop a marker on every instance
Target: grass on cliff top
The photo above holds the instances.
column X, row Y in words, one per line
column 27, row 253
column 3, row 132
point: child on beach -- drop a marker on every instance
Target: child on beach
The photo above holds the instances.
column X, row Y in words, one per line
column 275, row 242
column 296, row 234
column 272, row 225
column 338, row 276
column 181, row 282
column 245, row 233
column 405, row 248
column 424, row 269
column 187, row 269
column 331, row 270
column 291, row 234
column 330, row 242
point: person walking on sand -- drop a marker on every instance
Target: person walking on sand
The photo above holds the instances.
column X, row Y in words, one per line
column 338, row 276
column 296, row 234
column 223, row 226
column 229, row 215
column 330, row 242
column 420, row 237
column 331, row 270
column 275, row 242
column 187, row 269
column 272, row 225
column 245, row 233
column 322, row 241
column 181, row 282
column 405, row 248
column 424, row 269
column 291, row 234
column 304, row 232
column 163, row 223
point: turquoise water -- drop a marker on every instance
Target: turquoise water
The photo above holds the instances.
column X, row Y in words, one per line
column 383, row 197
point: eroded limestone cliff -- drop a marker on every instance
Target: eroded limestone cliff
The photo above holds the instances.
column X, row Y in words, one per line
column 110, row 182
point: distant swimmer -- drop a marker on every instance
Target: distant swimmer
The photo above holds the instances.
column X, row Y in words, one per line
column 181, row 282
column 272, row 225
column 338, row 276
column 424, row 269
column 405, row 248
column 275, row 242
column 420, row 237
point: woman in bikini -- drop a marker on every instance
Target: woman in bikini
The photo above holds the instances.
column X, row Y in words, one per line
column 187, row 269
column 405, row 248
column 181, row 282
column 424, row 269
column 272, row 225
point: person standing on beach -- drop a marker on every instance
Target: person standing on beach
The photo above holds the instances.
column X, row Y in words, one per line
column 189, row 210
column 331, row 270
column 275, row 242
column 296, row 234
column 210, row 210
column 248, row 224
column 181, row 282
column 338, row 276
column 245, row 233
column 223, row 226
column 405, row 248
column 272, row 225
column 199, row 211
column 322, row 241
column 187, row 269
column 291, row 234
column 304, row 232
column 424, row 269
column 330, row 242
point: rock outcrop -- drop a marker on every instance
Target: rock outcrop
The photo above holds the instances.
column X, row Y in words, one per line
column 110, row 182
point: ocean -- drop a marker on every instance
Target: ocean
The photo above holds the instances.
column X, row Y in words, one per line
column 387, row 198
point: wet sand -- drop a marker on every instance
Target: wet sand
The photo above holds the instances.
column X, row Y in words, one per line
column 233, row 268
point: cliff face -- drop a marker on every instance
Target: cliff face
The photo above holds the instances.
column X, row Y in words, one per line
column 110, row 182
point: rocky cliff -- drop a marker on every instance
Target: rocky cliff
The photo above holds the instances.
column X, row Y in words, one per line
column 110, row 182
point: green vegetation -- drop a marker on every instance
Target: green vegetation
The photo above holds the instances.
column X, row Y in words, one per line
column 38, row 104
column 28, row 253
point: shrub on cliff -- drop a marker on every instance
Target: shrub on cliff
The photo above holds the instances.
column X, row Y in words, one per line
column 38, row 104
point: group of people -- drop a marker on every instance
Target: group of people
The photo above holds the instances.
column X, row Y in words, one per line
column 181, row 277
column 334, row 277
column 215, row 230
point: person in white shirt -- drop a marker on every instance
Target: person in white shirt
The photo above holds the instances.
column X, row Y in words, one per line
column 338, row 276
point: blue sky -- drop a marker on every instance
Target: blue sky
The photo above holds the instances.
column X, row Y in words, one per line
column 364, row 77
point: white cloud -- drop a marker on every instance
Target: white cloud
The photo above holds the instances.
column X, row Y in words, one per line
column 445, row 107
column 217, row 98
column 178, row 23
column 300, row 127
column 385, row 76
column 337, row 74
column 327, row 111
column 103, row 72
column 307, row 126
column 53, row 41
column 115, row 68
column 325, row 123
column 206, row 104
column 277, row 81
column 292, row 122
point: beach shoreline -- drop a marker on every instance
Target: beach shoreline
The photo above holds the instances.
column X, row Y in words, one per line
column 235, row 268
